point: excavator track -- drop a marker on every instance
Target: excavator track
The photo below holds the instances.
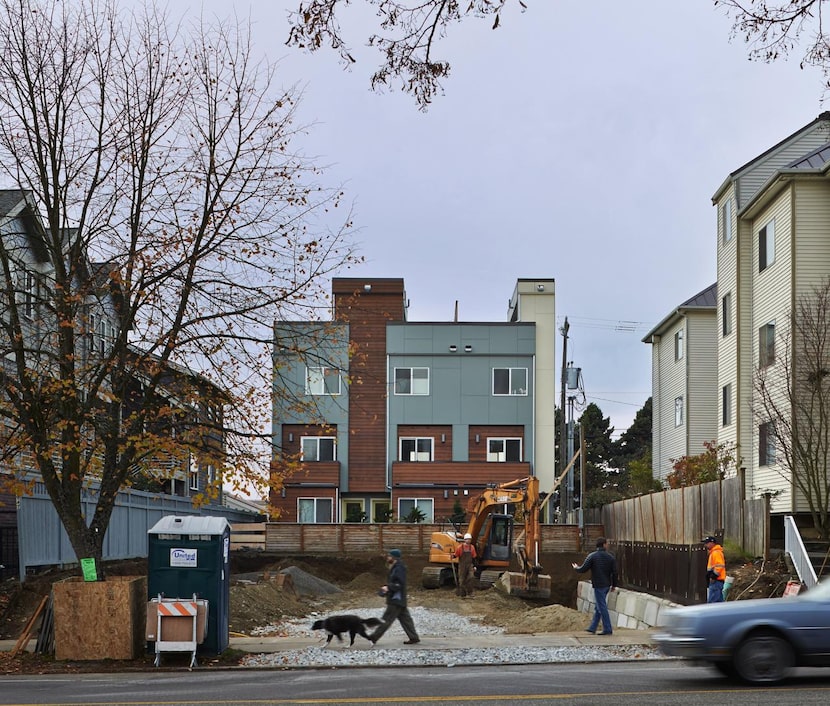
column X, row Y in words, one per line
column 489, row 577
column 435, row 576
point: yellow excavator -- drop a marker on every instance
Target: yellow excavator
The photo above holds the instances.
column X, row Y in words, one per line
column 492, row 533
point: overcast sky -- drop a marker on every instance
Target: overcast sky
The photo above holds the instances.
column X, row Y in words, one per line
column 579, row 141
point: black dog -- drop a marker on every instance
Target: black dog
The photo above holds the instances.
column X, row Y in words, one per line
column 338, row 624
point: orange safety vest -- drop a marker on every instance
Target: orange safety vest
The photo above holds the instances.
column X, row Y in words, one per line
column 716, row 562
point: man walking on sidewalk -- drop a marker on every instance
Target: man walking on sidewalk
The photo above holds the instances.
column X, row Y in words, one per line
column 603, row 567
column 395, row 593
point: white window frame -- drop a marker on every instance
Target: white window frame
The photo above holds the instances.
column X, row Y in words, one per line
column 766, row 432
column 31, row 293
column 315, row 512
column 421, row 503
column 678, row 411
column 726, row 314
column 766, row 344
column 726, row 405
column 500, row 455
column 514, row 388
column 418, row 454
column 766, row 246
column 678, row 345
column 194, row 473
column 315, row 440
column 726, row 221
column 418, row 380
column 318, row 379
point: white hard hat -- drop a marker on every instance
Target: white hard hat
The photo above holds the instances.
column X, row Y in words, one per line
column 468, row 536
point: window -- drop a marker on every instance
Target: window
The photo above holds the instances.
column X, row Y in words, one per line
column 411, row 381
column 766, row 444
column 726, row 221
column 766, row 246
column 194, row 473
column 726, row 405
column 416, row 449
column 314, row 510
column 501, row 450
column 678, row 411
column 353, row 511
column 510, row 381
column 318, row 448
column 30, row 294
column 211, row 474
column 726, row 314
column 415, row 509
column 766, row 344
column 678, row 345
column 322, row 381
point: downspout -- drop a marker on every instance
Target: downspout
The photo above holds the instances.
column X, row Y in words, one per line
column 533, row 423
column 387, row 432
column 658, row 423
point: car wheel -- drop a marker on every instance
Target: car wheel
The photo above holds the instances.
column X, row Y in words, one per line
column 764, row 657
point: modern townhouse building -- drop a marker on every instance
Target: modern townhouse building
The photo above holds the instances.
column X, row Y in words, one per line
column 684, row 378
column 773, row 247
column 379, row 418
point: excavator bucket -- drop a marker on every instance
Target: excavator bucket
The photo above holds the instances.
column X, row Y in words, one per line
column 516, row 584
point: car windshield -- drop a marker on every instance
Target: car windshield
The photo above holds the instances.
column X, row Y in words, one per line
column 819, row 592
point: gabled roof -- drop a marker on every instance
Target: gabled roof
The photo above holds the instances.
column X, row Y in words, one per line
column 704, row 300
column 10, row 201
column 779, row 149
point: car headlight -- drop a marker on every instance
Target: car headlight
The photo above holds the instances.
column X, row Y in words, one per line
column 682, row 625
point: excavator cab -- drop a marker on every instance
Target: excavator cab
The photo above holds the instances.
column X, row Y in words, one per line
column 499, row 538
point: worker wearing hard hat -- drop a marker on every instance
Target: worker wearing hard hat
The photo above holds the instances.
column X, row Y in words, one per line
column 466, row 555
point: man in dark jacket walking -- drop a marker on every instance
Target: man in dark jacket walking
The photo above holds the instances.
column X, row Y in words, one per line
column 603, row 567
column 395, row 592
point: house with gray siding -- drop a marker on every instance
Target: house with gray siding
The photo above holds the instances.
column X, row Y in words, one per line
column 684, row 374
column 773, row 248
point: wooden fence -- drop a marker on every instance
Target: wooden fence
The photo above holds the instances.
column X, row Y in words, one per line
column 357, row 538
column 683, row 515
column 247, row 535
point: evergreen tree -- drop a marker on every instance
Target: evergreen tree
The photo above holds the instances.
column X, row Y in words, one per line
column 599, row 448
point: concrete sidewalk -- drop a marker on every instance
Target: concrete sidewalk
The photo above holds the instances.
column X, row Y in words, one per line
column 622, row 636
column 261, row 645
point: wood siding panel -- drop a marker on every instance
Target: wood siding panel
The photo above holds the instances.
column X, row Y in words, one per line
column 478, row 450
column 442, row 450
column 367, row 314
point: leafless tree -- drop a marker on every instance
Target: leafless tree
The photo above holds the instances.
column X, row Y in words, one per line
column 409, row 32
column 774, row 29
column 793, row 404
column 158, row 160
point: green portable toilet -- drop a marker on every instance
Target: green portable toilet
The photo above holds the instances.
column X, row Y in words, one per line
column 189, row 555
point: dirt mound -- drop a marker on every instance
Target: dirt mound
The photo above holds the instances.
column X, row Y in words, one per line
column 263, row 603
column 549, row 618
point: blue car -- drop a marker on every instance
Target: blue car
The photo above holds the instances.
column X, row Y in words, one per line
column 758, row 641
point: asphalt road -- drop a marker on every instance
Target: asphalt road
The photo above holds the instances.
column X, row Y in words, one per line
column 596, row 684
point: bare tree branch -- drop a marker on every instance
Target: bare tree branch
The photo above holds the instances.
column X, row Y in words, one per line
column 409, row 34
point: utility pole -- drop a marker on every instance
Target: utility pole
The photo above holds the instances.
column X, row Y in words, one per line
column 563, row 452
